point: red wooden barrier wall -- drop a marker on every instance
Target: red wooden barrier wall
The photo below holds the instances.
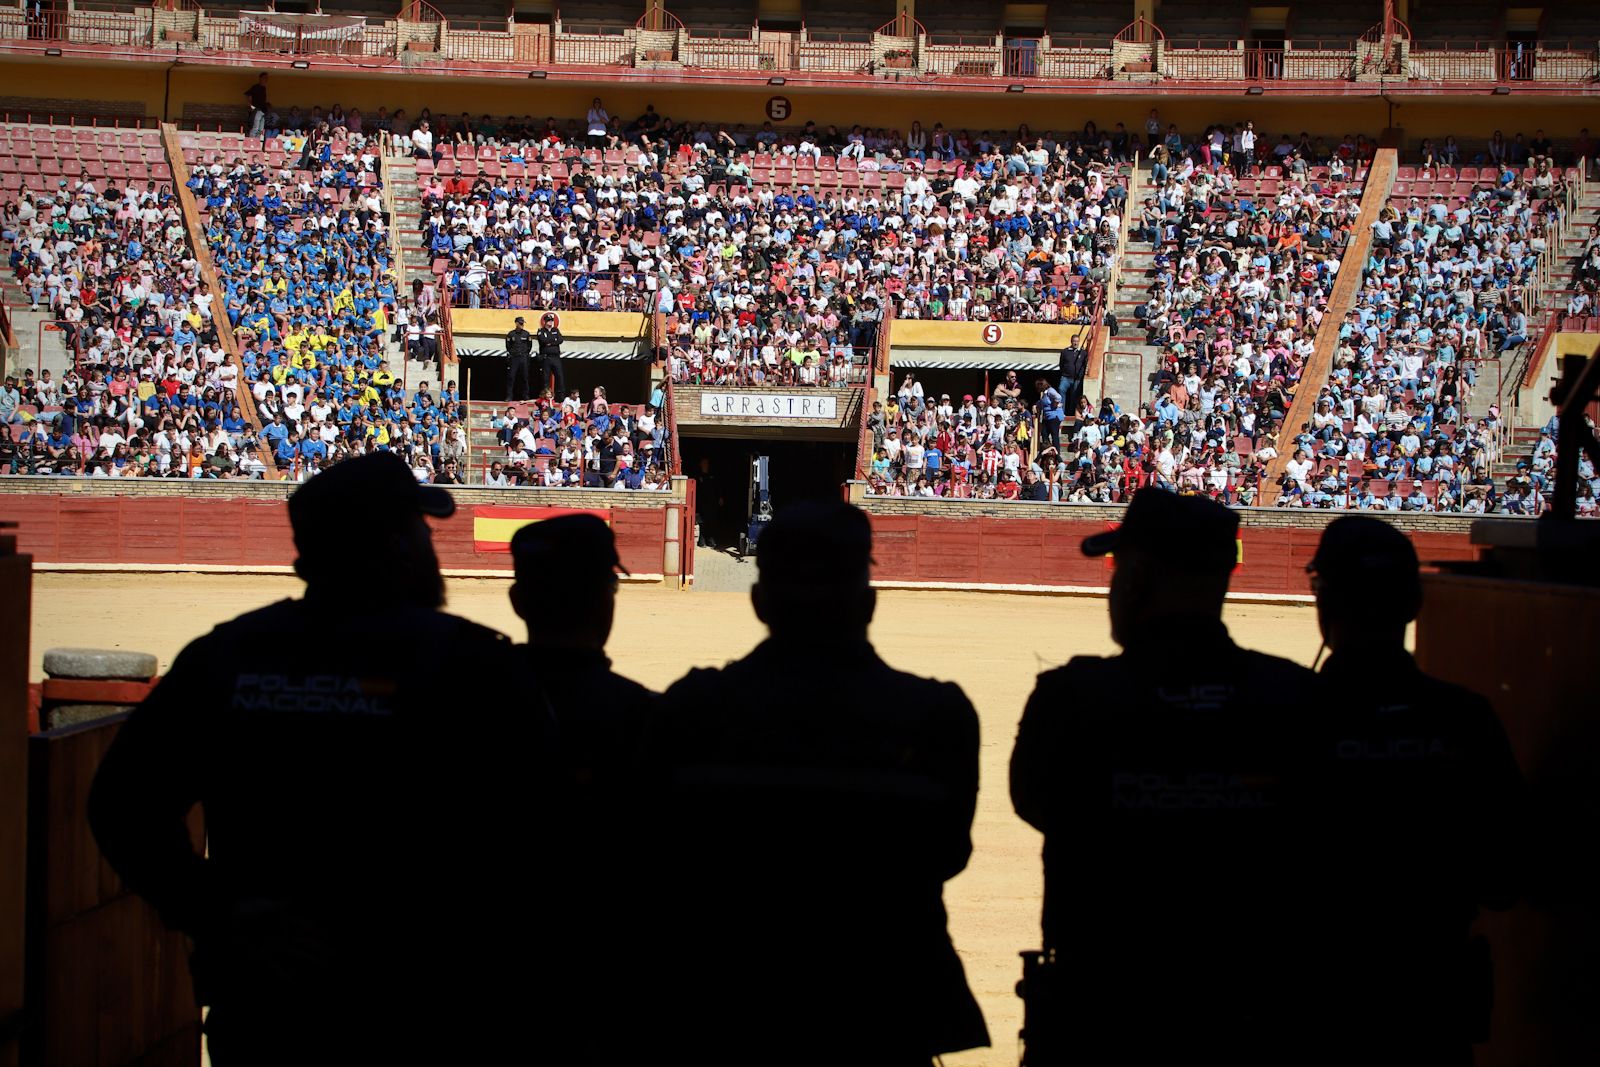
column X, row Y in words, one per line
column 986, row 550
column 61, row 528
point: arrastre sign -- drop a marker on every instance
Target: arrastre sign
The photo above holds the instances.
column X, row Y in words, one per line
column 818, row 405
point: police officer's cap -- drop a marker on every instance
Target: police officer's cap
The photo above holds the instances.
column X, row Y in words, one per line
column 1356, row 547
column 1194, row 533
column 816, row 544
column 571, row 549
column 521, row 320
column 358, row 494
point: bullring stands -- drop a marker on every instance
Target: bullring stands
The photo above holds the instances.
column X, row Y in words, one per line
column 98, row 242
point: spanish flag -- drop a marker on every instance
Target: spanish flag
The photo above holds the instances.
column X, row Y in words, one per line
column 493, row 525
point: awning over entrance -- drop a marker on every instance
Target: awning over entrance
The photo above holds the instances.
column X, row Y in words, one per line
column 972, row 359
column 483, row 347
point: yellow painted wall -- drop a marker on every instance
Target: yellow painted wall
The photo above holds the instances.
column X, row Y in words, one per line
column 595, row 325
column 1576, row 344
column 922, row 333
column 1420, row 116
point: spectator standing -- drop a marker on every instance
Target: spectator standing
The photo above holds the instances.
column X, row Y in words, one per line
column 596, row 125
column 549, row 338
column 519, row 361
column 257, row 95
column 1052, row 412
column 1073, row 366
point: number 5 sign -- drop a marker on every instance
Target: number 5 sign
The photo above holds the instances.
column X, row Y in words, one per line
column 778, row 108
column 992, row 333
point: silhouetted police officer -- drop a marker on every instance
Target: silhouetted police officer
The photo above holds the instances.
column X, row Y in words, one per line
column 549, row 337
column 1423, row 799
column 348, row 899
column 818, row 801
column 1161, row 779
column 519, row 353
column 566, row 590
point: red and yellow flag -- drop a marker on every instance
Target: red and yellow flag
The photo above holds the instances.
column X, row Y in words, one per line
column 493, row 525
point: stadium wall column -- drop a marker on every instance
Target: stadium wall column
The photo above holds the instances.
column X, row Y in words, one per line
column 1314, row 376
column 16, row 592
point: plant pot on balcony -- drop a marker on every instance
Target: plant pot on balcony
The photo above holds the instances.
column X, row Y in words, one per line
column 658, row 55
column 178, row 36
column 898, row 62
column 420, row 46
column 1139, row 66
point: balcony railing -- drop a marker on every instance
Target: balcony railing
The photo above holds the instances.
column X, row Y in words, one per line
column 930, row 58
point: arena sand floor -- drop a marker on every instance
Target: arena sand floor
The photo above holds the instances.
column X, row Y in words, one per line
column 992, row 644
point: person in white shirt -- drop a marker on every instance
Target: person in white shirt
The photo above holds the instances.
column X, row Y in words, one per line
column 1299, row 469
column 422, row 141
column 597, row 121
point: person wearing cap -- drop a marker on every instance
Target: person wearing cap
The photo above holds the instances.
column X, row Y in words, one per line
column 519, row 359
column 1420, row 779
column 549, row 338
column 1160, row 781
column 354, row 824
column 566, row 591
column 815, row 802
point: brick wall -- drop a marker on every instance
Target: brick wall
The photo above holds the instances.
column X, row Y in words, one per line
column 985, row 543
column 1112, row 513
column 63, row 108
column 214, row 116
column 245, row 524
column 276, row 492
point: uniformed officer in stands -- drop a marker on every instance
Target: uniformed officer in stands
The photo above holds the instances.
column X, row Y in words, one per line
column 566, row 590
column 1425, row 799
column 1163, row 780
column 816, row 802
column 354, row 753
column 549, row 337
column 519, row 353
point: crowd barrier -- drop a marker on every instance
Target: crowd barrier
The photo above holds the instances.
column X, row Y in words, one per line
column 226, row 526
column 1037, row 547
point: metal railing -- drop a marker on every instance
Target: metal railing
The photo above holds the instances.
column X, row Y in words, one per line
column 119, row 26
column 1479, row 61
column 495, row 41
column 490, row 41
column 730, row 50
column 839, row 53
column 596, row 46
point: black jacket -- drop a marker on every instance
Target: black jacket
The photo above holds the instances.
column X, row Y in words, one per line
column 350, row 812
column 549, row 340
column 1163, row 780
column 1420, row 787
column 1074, row 362
column 519, row 342
column 814, row 810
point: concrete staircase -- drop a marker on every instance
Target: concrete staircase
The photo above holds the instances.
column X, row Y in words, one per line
column 25, row 325
column 405, row 233
column 1518, row 449
column 1565, row 261
column 482, row 442
column 1129, row 361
